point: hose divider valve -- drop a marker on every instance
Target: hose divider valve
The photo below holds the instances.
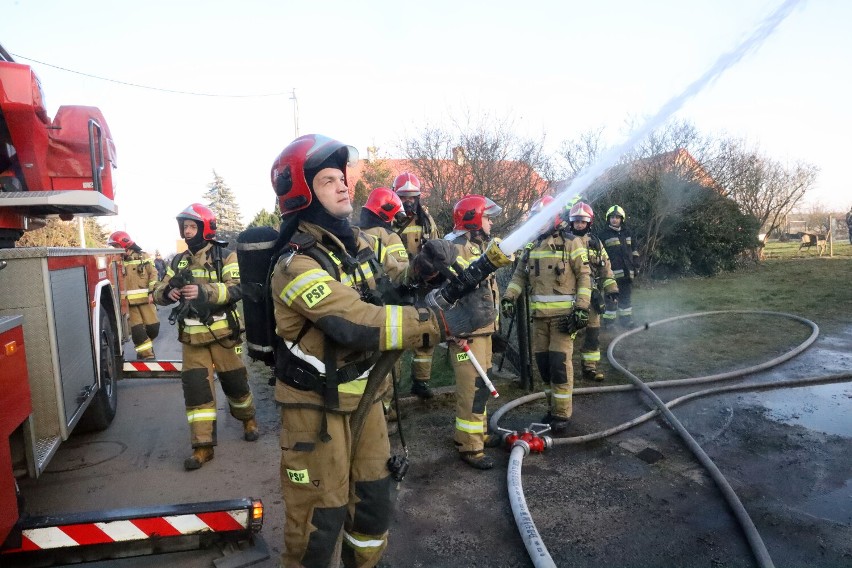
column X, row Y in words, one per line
column 530, row 441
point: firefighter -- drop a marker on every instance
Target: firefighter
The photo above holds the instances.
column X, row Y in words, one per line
column 624, row 257
column 555, row 269
column 208, row 289
column 382, row 207
column 471, row 232
column 417, row 228
column 330, row 329
column 140, row 278
column 604, row 288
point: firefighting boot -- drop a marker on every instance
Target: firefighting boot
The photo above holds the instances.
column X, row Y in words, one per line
column 626, row 322
column 591, row 374
column 421, row 390
column 146, row 355
column 478, row 460
column 493, row 440
column 559, row 425
column 199, row 457
column 390, row 414
column 250, row 433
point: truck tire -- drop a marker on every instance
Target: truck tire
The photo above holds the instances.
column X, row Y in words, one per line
column 102, row 409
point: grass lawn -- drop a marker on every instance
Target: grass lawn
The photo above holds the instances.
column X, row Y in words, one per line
column 812, row 287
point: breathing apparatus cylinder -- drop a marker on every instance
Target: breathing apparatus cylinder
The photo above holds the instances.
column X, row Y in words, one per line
column 255, row 248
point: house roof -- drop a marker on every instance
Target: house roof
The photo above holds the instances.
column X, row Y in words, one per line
column 398, row 166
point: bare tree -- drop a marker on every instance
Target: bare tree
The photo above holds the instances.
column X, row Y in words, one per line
column 764, row 188
column 376, row 173
column 580, row 152
column 482, row 156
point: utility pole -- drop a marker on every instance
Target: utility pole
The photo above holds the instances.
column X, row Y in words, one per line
column 295, row 111
column 82, row 232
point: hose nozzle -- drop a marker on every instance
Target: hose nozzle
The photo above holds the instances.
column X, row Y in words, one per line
column 478, row 270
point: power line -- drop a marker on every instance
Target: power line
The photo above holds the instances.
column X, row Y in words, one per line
column 146, row 86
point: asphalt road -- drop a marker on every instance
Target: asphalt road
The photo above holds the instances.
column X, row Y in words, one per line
column 638, row 498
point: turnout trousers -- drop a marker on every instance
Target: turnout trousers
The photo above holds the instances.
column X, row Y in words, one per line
column 624, row 307
column 144, row 328
column 199, row 392
column 553, row 350
column 590, row 352
column 326, row 491
column 471, row 394
column 421, row 364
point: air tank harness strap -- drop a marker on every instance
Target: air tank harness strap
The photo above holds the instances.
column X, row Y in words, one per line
column 303, row 376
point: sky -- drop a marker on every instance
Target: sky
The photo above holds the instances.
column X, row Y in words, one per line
column 371, row 73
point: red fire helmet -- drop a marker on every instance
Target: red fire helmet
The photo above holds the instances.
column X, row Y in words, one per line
column 121, row 239
column 306, row 153
column 384, row 203
column 203, row 215
column 468, row 212
column 406, row 184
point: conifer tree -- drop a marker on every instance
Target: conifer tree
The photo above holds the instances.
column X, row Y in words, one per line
column 266, row 219
column 220, row 199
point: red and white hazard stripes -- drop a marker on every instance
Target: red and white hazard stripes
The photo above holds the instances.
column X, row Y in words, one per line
column 152, row 366
column 87, row 534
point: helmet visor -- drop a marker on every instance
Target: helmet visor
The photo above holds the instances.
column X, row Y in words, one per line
column 324, row 148
column 491, row 208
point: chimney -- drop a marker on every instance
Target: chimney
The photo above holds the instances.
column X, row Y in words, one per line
column 458, row 155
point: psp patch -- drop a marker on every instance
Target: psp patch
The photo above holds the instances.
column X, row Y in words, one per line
column 300, row 476
column 463, row 356
column 313, row 296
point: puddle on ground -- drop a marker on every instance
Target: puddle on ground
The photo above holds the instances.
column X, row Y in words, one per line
column 823, row 408
column 833, row 506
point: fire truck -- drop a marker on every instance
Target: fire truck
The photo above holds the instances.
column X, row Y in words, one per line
column 63, row 324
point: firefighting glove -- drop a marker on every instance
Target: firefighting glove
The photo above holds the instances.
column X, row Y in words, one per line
column 612, row 297
column 472, row 312
column 573, row 322
column 507, row 308
column 179, row 280
column 434, row 260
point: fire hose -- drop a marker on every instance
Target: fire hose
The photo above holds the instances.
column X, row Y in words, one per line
column 525, row 525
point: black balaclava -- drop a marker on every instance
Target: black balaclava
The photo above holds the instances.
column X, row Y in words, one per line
column 317, row 214
column 369, row 220
column 197, row 242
